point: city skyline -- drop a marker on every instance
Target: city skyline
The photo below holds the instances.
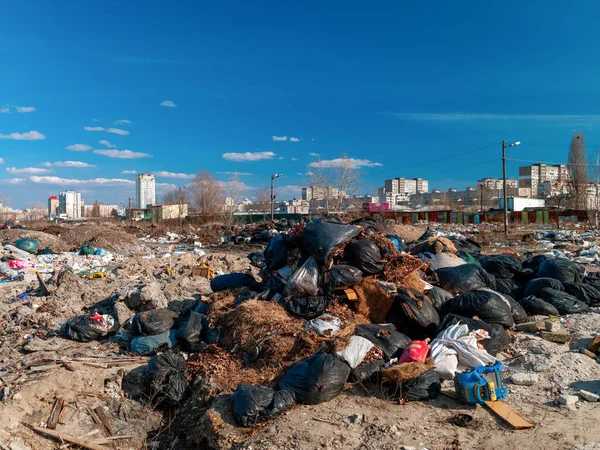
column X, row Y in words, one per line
column 397, row 88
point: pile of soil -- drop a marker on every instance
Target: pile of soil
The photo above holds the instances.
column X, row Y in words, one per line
column 45, row 239
column 107, row 236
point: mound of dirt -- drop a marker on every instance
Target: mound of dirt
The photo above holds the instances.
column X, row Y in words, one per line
column 45, row 239
column 107, row 236
column 409, row 232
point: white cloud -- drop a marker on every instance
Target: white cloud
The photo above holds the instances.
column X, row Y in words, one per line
column 122, row 154
column 281, row 157
column 491, row 116
column 241, row 174
column 122, row 122
column 288, row 191
column 25, row 109
column 350, row 163
column 108, row 130
column 248, row 156
column 26, row 170
column 79, row 147
column 28, row 136
column 162, row 173
column 165, row 185
column 280, row 138
column 4, row 109
column 74, row 164
column 107, row 144
column 294, row 159
column 237, row 186
column 293, row 139
column 14, row 181
column 168, row 104
column 129, row 172
column 313, row 154
column 72, row 181
column 1, row 160
column 300, row 174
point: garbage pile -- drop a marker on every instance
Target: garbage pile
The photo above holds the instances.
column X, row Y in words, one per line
column 335, row 303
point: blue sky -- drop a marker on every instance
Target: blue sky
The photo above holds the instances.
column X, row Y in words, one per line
column 401, row 84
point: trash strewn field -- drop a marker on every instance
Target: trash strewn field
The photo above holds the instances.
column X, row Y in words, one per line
column 299, row 335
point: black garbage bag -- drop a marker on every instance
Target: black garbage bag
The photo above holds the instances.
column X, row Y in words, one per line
column 89, row 327
column 509, row 286
column 592, row 278
column 369, row 372
column 389, row 340
column 534, row 306
column 528, row 261
column 233, row 281
column 525, row 275
column 316, row 379
column 166, row 379
column 429, row 258
column 398, row 242
column 467, row 245
column 533, row 287
column 562, row 269
column 365, row 255
column 257, row 404
column 563, row 302
column 413, row 314
column 190, row 331
column 46, row 251
column 438, row 296
column 426, row 386
column 153, row 322
column 464, row 278
column 499, row 339
column 485, row 304
column 370, row 226
column 342, row 277
column 501, row 266
column 518, row 312
column 244, row 297
column 276, row 252
column 257, row 259
column 305, row 281
column 322, row 236
column 428, row 234
column 587, row 293
column 308, row 307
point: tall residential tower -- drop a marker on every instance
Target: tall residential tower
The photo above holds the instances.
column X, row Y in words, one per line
column 144, row 191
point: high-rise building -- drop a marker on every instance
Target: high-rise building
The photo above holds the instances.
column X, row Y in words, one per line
column 320, row 193
column 535, row 175
column 144, row 191
column 496, row 183
column 52, row 205
column 69, row 204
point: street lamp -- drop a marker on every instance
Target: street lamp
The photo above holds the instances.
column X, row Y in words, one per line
column 504, row 145
column 275, row 175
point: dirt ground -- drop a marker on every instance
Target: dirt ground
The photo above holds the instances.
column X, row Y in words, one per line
column 37, row 368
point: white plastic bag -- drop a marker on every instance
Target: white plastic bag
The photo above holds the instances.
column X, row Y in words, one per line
column 446, row 361
column 355, row 351
column 325, row 325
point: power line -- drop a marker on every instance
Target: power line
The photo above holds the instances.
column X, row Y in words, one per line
column 549, row 162
column 463, row 167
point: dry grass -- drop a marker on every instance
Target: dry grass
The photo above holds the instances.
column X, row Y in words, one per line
column 398, row 267
column 413, row 281
column 400, row 373
column 372, row 300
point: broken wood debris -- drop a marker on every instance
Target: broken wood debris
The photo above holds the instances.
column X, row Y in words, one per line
column 55, row 413
column 65, row 437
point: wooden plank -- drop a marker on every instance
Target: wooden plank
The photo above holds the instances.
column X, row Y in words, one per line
column 99, row 410
column 65, row 437
column 172, row 286
column 55, row 413
column 508, row 415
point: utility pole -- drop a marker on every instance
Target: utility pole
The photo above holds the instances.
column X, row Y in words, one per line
column 275, row 175
column 504, row 187
column 179, row 207
column 481, row 198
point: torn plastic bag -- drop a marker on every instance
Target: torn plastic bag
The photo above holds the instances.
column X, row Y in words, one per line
column 244, row 297
column 533, row 287
column 446, row 360
column 166, row 378
column 563, row 270
column 390, row 341
column 468, row 355
column 534, row 306
column 307, row 307
column 153, row 322
column 305, row 281
column 563, row 302
column 257, row 404
column 455, row 331
column 322, row 236
column 415, row 352
column 438, row 296
column 499, row 339
column 325, row 325
column 501, row 266
column 429, row 233
column 89, row 327
column 146, row 345
column 398, row 242
column 86, row 250
column 487, row 305
column 426, row 386
column 587, row 293
column 276, row 252
column 430, row 259
column 27, row 244
column 342, row 277
column 367, row 372
column 316, row 379
column 466, row 246
column 370, row 226
column 464, row 278
column 190, row 331
column 257, row 259
column 413, row 314
column 233, row 281
column 354, row 353
column 365, row 255
column 509, row 286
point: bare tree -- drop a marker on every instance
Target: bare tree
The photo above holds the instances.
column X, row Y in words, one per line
column 174, row 196
column 320, row 182
column 578, row 171
column 233, row 190
column 593, row 206
column 262, row 201
column 96, row 209
column 335, row 181
column 205, row 193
